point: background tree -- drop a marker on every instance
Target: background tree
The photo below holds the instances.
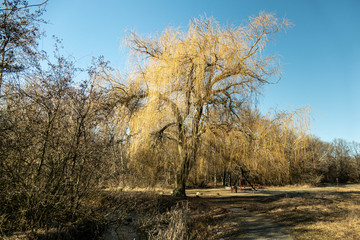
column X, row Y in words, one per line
column 184, row 75
column 19, row 32
column 52, row 148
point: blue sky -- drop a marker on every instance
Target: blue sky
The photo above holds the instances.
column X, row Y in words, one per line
column 320, row 54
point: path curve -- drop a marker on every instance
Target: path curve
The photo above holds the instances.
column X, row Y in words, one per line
column 259, row 227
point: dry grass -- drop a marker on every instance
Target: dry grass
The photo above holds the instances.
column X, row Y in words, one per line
column 167, row 217
column 327, row 213
column 308, row 213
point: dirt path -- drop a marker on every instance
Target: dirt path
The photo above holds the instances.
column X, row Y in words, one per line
column 257, row 227
column 270, row 213
column 251, row 225
column 305, row 213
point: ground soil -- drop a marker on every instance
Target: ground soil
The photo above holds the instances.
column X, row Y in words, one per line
column 328, row 212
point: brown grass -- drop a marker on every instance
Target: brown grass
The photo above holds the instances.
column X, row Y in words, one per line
column 308, row 213
column 327, row 213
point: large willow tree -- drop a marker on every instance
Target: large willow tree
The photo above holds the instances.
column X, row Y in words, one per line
column 185, row 76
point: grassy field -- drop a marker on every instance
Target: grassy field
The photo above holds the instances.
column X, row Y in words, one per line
column 307, row 213
column 316, row 213
column 329, row 212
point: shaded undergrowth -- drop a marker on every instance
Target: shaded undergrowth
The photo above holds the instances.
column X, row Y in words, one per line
column 149, row 215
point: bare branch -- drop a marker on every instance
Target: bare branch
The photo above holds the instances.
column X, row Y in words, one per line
column 23, row 7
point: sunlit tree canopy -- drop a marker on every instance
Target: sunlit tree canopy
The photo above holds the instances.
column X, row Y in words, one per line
column 185, row 77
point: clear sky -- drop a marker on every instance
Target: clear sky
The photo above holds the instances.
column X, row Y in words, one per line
column 320, row 54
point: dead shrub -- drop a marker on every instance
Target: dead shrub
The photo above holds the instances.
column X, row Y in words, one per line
column 171, row 225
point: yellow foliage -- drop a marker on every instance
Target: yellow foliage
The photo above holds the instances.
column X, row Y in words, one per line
column 183, row 78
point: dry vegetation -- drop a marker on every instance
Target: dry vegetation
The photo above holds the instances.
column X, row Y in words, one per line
column 183, row 115
column 331, row 213
column 308, row 213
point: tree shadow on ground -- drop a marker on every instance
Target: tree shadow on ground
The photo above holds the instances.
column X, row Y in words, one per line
column 295, row 209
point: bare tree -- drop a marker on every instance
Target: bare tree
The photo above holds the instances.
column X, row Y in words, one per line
column 19, row 32
column 51, row 144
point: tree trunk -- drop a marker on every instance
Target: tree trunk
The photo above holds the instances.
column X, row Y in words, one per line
column 181, row 174
column 187, row 154
column 168, row 179
column 224, row 177
column 215, row 179
column 2, row 64
column 179, row 190
column 1, row 78
column 181, row 178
